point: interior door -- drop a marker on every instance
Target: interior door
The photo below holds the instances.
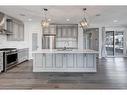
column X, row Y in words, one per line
column 119, row 43
column 91, row 39
column 34, row 41
column 109, row 43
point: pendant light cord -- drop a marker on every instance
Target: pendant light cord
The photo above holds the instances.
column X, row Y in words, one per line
column 45, row 10
column 84, row 10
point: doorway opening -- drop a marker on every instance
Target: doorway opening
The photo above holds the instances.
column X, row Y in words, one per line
column 114, row 43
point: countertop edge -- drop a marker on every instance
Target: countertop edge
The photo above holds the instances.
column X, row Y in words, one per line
column 62, row 52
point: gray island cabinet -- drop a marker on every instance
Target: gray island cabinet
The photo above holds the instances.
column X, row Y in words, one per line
column 64, row 61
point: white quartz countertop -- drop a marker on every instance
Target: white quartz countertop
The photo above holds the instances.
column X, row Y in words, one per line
column 65, row 51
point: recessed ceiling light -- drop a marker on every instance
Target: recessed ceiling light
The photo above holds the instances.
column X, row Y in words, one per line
column 115, row 20
column 22, row 14
column 98, row 14
column 49, row 19
column 29, row 19
column 67, row 19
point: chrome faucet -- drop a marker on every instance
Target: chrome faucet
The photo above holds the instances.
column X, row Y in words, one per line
column 64, row 48
column 66, row 44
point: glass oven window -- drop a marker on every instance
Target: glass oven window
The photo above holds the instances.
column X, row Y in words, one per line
column 11, row 58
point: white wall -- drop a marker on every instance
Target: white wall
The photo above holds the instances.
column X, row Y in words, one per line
column 120, row 28
column 111, row 28
column 35, row 27
column 13, row 44
column 80, row 38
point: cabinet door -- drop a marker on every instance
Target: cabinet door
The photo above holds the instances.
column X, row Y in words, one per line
column 75, row 32
column 90, row 61
column 69, row 31
column 34, row 41
column 49, row 61
column 38, row 58
column 84, row 60
column 46, row 30
column 1, row 62
column 58, row 60
column 9, row 25
column 27, row 54
column 19, row 57
column 64, row 32
column 15, row 31
column 79, row 63
column 21, row 32
column 22, row 55
column 70, row 60
column 58, row 31
column 53, row 29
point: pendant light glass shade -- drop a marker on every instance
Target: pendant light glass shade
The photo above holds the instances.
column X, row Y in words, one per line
column 45, row 22
column 83, row 22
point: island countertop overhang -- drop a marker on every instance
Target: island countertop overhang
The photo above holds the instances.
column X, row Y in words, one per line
column 89, row 51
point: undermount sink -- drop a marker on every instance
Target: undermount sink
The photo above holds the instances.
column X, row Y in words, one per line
column 64, row 49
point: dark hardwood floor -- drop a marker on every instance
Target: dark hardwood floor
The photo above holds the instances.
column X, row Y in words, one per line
column 112, row 74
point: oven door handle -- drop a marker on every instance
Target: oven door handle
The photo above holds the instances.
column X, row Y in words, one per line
column 11, row 53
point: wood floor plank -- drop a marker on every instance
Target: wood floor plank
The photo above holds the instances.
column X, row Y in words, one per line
column 111, row 74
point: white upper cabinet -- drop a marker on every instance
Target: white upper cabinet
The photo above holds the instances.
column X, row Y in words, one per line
column 66, row 35
column 91, row 39
column 16, row 29
column 67, row 31
column 50, row 30
column 46, row 31
column 53, row 29
column 58, row 31
column 64, row 32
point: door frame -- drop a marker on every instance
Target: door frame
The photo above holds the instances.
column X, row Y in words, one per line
column 39, row 40
column 124, row 43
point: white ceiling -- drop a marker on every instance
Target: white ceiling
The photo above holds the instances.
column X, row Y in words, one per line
column 59, row 14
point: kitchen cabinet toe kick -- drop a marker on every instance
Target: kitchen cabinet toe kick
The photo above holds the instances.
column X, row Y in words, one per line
column 74, row 62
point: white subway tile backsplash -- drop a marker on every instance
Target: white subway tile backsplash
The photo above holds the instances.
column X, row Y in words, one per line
column 8, row 44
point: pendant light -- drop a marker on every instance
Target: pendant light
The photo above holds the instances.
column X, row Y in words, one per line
column 83, row 22
column 45, row 22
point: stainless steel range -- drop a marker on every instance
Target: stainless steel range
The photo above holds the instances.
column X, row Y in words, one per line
column 10, row 57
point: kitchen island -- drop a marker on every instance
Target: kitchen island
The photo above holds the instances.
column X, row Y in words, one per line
column 64, row 60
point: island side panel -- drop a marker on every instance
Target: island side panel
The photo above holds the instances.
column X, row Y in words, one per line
column 53, row 62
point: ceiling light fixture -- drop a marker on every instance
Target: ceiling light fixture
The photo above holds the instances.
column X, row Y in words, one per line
column 83, row 22
column 22, row 14
column 49, row 19
column 98, row 15
column 67, row 19
column 45, row 21
column 29, row 19
column 115, row 21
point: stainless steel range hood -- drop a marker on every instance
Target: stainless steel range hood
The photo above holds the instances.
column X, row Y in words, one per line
column 2, row 22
